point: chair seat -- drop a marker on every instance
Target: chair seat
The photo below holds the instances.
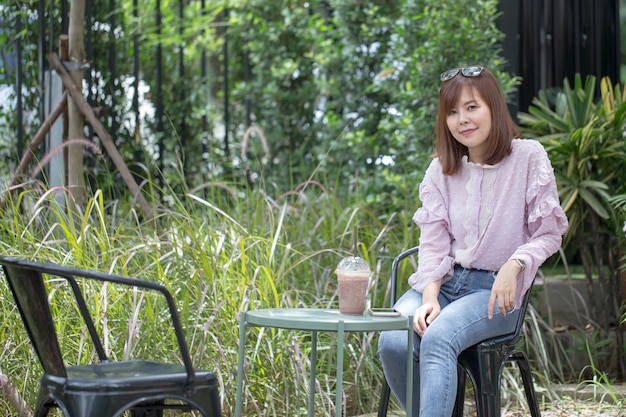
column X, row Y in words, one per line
column 110, row 388
column 134, row 375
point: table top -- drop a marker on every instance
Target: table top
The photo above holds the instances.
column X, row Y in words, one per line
column 320, row 319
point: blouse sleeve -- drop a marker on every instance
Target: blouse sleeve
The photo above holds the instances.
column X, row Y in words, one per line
column 435, row 261
column 546, row 220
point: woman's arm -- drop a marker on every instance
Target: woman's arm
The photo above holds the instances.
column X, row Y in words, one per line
column 435, row 261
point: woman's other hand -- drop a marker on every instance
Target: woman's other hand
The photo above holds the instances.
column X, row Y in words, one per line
column 424, row 315
column 504, row 288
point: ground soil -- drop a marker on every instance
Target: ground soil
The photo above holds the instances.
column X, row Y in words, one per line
column 571, row 408
column 565, row 407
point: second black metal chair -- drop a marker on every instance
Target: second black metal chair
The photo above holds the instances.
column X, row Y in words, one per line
column 483, row 363
column 105, row 388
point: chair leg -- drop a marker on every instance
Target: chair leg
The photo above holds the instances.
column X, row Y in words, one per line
column 484, row 369
column 527, row 380
column 44, row 404
column 383, row 406
column 42, row 412
column 149, row 412
column 459, row 403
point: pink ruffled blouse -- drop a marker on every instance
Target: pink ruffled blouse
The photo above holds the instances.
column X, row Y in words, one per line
column 484, row 215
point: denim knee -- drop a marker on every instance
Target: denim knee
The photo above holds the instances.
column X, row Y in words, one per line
column 392, row 345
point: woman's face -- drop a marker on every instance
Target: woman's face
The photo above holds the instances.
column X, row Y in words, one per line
column 469, row 121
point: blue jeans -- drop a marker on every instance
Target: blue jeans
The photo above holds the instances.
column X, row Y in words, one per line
column 462, row 323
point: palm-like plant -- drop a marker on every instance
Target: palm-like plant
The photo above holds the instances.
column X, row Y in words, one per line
column 571, row 129
column 586, row 146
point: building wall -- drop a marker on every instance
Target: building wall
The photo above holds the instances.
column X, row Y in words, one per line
column 550, row 40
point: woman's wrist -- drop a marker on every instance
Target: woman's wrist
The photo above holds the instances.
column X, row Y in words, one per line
column 431, row 292
column 519, row 264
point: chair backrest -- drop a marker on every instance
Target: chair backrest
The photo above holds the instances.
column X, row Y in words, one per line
column 26, row 281
column 510, row 338
column 30, row 295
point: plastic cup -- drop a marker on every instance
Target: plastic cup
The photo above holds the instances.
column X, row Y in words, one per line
column 353, row 276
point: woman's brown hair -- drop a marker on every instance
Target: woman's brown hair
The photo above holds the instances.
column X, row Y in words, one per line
column 503, row 128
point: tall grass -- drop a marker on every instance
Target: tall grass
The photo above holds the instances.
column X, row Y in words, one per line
column 220, row 251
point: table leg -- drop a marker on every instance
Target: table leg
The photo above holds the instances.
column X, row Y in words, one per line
column 312, row 379
column 240, row 362
column 339, row 391
column 409, row 369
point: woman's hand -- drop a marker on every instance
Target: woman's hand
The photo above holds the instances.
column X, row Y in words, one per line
column 424, row 315
column 504, row 288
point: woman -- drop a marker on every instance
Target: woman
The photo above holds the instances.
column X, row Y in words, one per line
column 489, row 217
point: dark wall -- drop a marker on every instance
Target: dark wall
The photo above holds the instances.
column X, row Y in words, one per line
column 550, row 40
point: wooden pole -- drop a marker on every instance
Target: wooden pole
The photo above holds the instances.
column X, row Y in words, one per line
column 75, row 121
column 104, row 136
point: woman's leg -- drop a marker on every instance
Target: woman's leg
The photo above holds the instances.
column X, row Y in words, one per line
column 392, row 351
column 461, row 324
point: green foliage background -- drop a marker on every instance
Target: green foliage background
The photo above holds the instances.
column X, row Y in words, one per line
column 339, row 87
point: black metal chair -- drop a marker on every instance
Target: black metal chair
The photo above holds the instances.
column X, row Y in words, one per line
column 106, row 388
column 483, row 363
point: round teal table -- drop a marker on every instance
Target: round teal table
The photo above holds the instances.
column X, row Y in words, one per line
column 322, row 320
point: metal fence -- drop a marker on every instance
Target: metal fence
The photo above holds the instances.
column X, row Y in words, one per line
column 47, row 15
column 550, row 40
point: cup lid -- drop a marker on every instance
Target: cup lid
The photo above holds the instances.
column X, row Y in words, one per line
column 353, row 263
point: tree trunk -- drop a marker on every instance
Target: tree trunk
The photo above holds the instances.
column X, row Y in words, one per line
column 76, row 125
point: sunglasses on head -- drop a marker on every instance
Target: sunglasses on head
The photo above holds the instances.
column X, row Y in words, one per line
column 466, row 72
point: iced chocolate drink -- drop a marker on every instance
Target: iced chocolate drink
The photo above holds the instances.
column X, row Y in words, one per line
column 353, row 276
